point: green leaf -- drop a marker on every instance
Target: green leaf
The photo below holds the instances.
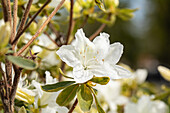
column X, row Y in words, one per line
column 57, row 86
column 99, row 108
column 64, row 74
column 125, row 14
column 22, row 110
column 22, row 62
column 100, row 80
column 67, row 95
column 100, row 4
column 85, row 98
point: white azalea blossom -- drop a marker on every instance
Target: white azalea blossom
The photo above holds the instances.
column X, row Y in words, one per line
column 111, row 94
column 146, row 105
column 47, row 98
column 140, row 75
column 23, row 92
column 97, row 58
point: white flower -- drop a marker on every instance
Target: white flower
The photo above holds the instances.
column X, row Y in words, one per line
column 47, row 98
column 140, row 75
column 23, row 93
column 111, row 93
column 97, row 58
column 146, row 105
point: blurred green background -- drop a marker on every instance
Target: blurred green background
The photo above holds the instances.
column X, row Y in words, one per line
column 146, row 38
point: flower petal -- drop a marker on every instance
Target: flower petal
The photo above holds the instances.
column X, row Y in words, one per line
column 69, row 55
column 102, row 45
column 121, row 72
column 103, row 70
column 81, row 75
column 82, row 41
column 114, row 53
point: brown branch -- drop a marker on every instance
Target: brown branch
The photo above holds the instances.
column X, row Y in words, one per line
column 68, row 34
column 41, row 28
column 51, row 26
column 15, row 10
column 9, row 12
column 97, row 32
column 4, row 77
column 29, row 23
column 24, row 17
column 74, row 106
column 4, row 8
column 51, row 38
column 71, row 21
column 15, row 83
column 8, row 70
column 100, row 28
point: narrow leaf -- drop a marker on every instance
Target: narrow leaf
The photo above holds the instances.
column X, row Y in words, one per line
column 85, row 98
column 22, row 110
column 64, row 74
column 125, row 14
column 67, row 95
column 57, row 86
column 100, row 80
column 22, row 62
column 99, row 108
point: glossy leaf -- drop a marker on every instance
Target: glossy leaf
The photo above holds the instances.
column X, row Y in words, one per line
column 85, row 98
column 99, row 108
column 57, row 86
column 100, row 80
column 22, row 62
column 67, row 95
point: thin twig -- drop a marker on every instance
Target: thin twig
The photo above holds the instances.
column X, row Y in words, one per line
column 4, row 8
column 51, row 38
column 29, row 23
column 4, row 77
column 68, row 34
column 97, row 32
column 8, row 70
column 52, row 27
column 100, row 28
column 15, row 83
column 15, row 10
column 85, row 21
column 24, row 17
column 74, row 106
column 41, row 28
column 71, row 21
column 9, row 12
